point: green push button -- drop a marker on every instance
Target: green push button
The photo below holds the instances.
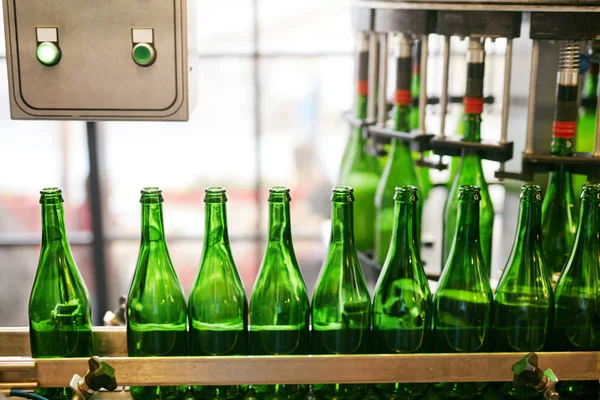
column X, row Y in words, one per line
column 144, row 54
column 48, row 54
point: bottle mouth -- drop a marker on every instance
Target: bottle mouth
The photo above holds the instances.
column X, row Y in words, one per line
column 342, row 194
column 51, row 195
column 469, row 193
column 279, row 194
column 531, row 192
column 215, row 194
column 406, row 193
column 151, row 195
column 591, row 192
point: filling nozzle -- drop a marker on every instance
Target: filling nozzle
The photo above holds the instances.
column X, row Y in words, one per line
column 476, row 52
column 568, row 64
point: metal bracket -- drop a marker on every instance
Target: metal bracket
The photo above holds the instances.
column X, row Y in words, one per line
column 418, row 142
column 412, row 22
column 580, row 163
column 564, row 26
column 491, row 24
column 453, row 146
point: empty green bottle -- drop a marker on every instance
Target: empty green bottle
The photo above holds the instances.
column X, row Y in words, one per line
column 60, row 315
column 341, row 306
column 402, row 302
column 279, row 306
column 559, row 209
column 524, row 303
column 470, row 171
column 463, row 301
column 586, row 126
column 577, row 294
column 400, row 169
column 217, row 308
column 156, row 308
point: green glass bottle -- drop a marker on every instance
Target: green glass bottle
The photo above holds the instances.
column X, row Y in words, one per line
column 402, row 302
column 559, row 209
column 341, row 305
column 60, row 314
column 463, row 301
column 577, row 294
column 217, row 307
column 415, row 89
column 400, row 169
column 524, row 302
column 360, row 169
column 586, row 127
column 156, row 307
column 455, row 161
column 279, row 306
column 470, row 171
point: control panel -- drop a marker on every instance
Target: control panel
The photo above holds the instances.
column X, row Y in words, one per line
column 97, row 60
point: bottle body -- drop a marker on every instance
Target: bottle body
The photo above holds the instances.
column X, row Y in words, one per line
column 60, row 315
column 341, row 305
column 156, row 306
column 577, row 299
column 586, row 126
column 402, row 302
column 217, row 307
column 279, row 306
column 463, row 301
column 524, row 302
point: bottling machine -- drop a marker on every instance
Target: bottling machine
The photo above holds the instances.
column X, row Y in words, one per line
column 116, row 60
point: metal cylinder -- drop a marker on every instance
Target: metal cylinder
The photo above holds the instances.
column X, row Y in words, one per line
column 360, row 66
column 444, row 97
column 373, row 58
column 568, row 64
column 423, row 89
column 383, row 66
column 535, row 56
column 506, row 91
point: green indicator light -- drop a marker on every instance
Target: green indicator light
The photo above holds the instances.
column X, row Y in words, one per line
column 48, row 53
column 144, row 54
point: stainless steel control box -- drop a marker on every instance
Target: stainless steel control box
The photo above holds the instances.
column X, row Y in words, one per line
column 97, row 60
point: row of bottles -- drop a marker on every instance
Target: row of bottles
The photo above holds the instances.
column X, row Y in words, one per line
column 373, row 186
column 402, row 317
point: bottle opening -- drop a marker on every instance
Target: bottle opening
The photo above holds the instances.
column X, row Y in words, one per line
column 51, row 195
column 342, row 194
column 531, row 192
column 590, row 192
column 151, row 195
column 469, row 193
column 215, row 194
column 406, row 193
column 279, row 194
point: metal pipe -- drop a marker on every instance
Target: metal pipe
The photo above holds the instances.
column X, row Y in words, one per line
column 506, row 92
column 372, row 101
column 423, row 89
column 383, row 66
column 444, row 99
column 535, row 55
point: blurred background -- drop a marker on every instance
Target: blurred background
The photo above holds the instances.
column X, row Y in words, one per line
column 272, row 82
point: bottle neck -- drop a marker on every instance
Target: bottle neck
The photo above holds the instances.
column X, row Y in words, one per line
column 562, row 147
column 467, row 227
column 588, row 230
column 472, row 127
column 590, row 88
column 279, row 223
column 152, row 223
column 401, row 121
column 404, row 233
column 529, row 226
column 215, row 225
column 361, row 107
column 53, row 224
column 342, row 223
